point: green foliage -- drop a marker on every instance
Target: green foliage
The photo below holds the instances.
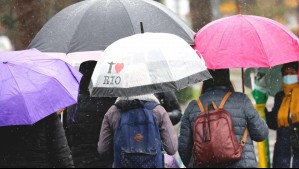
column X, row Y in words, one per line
column 187, row 94
column 7, row 21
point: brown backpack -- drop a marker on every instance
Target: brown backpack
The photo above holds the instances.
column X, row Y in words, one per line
column 214, row 138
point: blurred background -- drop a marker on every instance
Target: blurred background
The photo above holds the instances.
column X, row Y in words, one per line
column 20, row 20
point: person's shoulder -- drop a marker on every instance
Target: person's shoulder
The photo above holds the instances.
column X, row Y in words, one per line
column 192, row 103
column 112, row 109
column 159, row 108
column 191, row 106
column 240, row 96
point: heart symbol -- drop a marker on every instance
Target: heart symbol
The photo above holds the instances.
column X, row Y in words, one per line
column 119, row 67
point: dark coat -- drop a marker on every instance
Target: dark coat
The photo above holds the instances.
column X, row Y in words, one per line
column 42, row 145
column 272, row 116
column 83, row 133
column 243, row 116
column 169, row 101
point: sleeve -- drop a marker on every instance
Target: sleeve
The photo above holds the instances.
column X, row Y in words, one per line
column 186, row 136
column 168, row 135
column 257, row 127
column 59, row 150
column 271, row 116
column 105, row 144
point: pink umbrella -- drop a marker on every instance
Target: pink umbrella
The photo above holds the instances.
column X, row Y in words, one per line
column 244, row 41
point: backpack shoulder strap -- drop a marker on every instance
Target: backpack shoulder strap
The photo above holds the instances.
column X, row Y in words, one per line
column 224, row 100
column 150, row 105
column 200, row 105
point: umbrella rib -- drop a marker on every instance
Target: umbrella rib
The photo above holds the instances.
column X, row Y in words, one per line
column 169, row 68
column 19, row 91
column 280, row 27
column 128, row 15
column 44, row 75
column 158, row 5
column 265, row 54
column 68, row 50
column 49, row 77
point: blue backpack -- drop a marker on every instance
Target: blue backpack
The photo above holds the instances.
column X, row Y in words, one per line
column 137, row 141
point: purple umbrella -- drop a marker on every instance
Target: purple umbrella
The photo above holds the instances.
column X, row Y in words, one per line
column 34, row 85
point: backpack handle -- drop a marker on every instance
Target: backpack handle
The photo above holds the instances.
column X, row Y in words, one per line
column 201, row 107
column 224, row 100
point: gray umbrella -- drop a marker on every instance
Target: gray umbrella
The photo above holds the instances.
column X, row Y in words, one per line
column 92, row 25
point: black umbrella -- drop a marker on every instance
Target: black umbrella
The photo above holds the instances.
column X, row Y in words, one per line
column 92, row 25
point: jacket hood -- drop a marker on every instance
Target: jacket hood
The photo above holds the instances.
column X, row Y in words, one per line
column 147, row 97
column 125, row 104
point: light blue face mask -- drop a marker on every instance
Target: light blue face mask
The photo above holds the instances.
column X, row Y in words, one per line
column 290, row 79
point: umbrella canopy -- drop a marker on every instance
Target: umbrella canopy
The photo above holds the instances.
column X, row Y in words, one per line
column 244, row 41
column 33, row 86
column 92, row 25
column 147, row 63
column 267, row 79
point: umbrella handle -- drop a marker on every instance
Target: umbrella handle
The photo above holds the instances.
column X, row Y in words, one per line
column 141, row 27
column 243, row 81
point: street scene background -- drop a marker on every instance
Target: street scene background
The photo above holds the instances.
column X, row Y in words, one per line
column 22, row 19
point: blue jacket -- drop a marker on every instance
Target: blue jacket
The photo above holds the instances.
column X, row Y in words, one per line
column 243, row 115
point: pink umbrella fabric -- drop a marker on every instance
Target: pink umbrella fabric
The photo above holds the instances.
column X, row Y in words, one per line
column 246, row 41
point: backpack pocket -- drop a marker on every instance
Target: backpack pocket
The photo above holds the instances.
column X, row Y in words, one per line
column 138, row 160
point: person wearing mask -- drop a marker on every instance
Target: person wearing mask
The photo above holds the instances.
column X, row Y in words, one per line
column 83, row 123
column 242, row 113
column 284, row 114
column 42, row 145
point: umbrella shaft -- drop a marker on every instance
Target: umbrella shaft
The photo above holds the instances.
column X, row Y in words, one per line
column 243, row 81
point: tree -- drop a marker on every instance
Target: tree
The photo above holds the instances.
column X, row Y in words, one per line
column 201, row 13
column 22, row 19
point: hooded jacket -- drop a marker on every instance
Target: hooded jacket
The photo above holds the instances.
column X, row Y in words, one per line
column 84, row 121
column 111, row 119
column 243, row 116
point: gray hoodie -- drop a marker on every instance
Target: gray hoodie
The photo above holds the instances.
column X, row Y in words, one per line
column 168, row 135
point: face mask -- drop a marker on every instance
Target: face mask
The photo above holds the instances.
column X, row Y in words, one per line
column 290, row 79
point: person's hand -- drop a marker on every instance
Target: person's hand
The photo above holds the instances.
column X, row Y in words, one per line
column 175, row 116
column 259, row 96
column 59, row 112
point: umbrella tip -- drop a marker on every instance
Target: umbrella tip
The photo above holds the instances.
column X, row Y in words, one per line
column 4, row 62
column 141, row 27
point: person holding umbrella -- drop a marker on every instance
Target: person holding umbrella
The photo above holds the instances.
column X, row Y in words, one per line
column 34, row 88
column 243, row 116
column 84, row 120
column 112, row 122
column 283, row 117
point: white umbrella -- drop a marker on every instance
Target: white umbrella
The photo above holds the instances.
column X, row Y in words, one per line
column 147, row 63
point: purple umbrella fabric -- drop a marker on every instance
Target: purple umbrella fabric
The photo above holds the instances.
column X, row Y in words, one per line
column 34, row 85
